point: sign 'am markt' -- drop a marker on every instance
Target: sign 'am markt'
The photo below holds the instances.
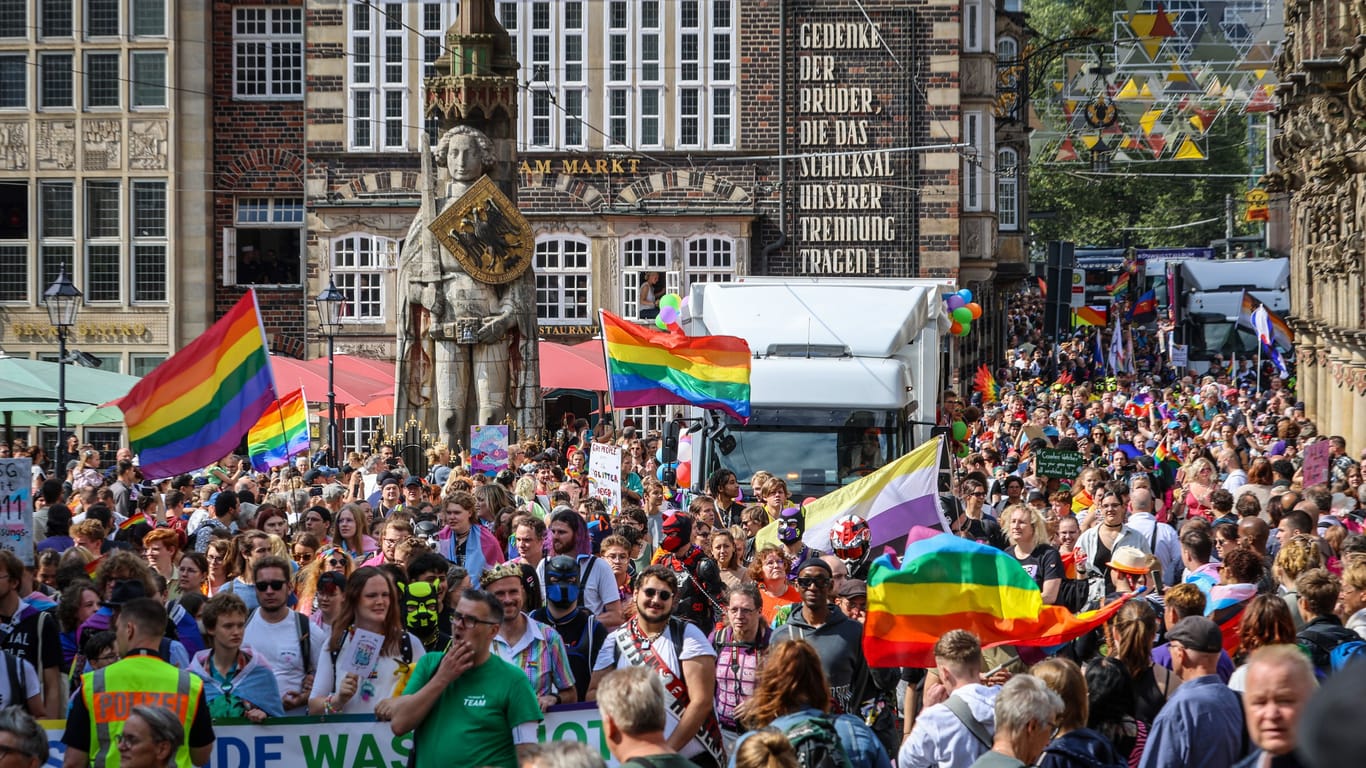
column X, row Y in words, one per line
column 850, row 197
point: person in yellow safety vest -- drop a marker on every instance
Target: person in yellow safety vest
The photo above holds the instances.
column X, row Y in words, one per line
column 140, row 678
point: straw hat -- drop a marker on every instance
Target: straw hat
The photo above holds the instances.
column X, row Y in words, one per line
column 1130, row 560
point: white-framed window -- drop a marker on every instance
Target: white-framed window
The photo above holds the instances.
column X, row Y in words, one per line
column 1009, row 70
column 378, row 33
column 14, row 243
column 356, row 432
column 974, row 31
column 266, row 245
column 1007, row 50
column 102, row 80
column 149, row 241
column 14, row 18
column 148, row 18
column 103, row 246
column 706, row 73
column 54, row 84
column 977, row 159
column 56, row 229
column 13, row 81
column 55, row 17
column 359, row 262
column 563, row 280
column 647, row 419
column 268, row 53
column 642, row 257
column 1008, row 189
column 710, row 259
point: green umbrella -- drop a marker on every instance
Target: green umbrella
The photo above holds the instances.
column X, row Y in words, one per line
column 88, row 416
column 31, row 385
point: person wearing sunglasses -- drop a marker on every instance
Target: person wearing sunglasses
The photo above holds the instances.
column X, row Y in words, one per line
column 467, row 701
column 682, row 657
column 330, row 559
column 236, row 682
column 283, row 638
column 837, row 639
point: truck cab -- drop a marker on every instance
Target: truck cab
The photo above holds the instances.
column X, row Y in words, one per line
column 1210, row 297
column 844, row 379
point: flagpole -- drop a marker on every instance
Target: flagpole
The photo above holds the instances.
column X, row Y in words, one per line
column 1259, row 366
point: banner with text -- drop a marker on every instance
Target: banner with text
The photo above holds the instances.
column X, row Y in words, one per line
column 16, row 507
column 604, row 475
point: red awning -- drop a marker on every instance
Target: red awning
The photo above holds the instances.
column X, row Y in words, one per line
column 350, row 388
column 577, row 367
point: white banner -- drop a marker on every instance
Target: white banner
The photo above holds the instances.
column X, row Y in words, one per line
column 345, row 741
column 604, row 475
column 16, row 508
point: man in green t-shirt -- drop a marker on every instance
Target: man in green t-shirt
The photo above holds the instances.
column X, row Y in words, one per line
column 467, row 701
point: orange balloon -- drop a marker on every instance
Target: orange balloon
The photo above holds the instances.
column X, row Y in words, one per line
column 956, row 328
column 975, row 309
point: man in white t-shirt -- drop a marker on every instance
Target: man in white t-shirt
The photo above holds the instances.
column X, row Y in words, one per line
column 288, row 641
column 14, row 669
column 600, row 594
column 682, row 656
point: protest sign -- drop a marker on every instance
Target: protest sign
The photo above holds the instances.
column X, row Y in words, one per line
column 1316, row 460
column 488, row 448
column 16, row 507
column 1052, row 462
column 1180, row 355
column 604, row 475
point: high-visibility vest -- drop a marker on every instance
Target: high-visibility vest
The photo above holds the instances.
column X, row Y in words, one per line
column 111, row 693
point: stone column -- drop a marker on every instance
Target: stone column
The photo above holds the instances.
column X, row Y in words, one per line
column 1308, row 373
column 1356, row 438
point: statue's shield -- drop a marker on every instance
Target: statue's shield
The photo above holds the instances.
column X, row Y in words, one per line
column 486, row 234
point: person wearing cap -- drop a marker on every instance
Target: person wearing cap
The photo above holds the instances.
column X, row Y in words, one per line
column 837, row 639
column 222, row 519
column 852, row 598
column 390, row 497
column 535, row 648
column 413, row 493
column 1202, row 722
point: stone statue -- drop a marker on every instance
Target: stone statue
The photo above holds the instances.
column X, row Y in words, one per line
column 464, row 326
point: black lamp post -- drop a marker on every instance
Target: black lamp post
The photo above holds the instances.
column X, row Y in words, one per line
column 329, row 304
column 63, row 303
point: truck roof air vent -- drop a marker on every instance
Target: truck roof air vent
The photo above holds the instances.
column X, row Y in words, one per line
column 808, row 350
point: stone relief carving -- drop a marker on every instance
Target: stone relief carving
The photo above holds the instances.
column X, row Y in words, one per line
column 147, row 144
column 103, row 145
column 56, row 145
column 14, row 146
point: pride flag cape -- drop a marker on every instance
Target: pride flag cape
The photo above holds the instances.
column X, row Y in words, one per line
column 281, row 432
column 946, row 582
column 194, row 408
column 650, row 367
column 893, row 499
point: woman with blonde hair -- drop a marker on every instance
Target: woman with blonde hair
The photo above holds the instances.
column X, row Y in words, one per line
column 1198, row 482
column 1299, row 554
column 766, row 748
column 1352, row 597
column 328, row 559
column 792, row 691
column 1027, row 532
column 1074, row 744
column 351, row 532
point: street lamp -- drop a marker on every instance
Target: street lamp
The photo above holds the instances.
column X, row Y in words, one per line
column 63, row 302
column 329, row 304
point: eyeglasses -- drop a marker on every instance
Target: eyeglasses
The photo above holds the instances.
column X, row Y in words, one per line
column 337, row 563
column 739, row 610
column 464, row 619
column 662, row 595
column 274, row 585
column 806, row 581
column 104, row 658
column 978, row 494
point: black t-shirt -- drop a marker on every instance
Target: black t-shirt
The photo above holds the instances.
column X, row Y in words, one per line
column 33, row 636
column 1042, row 564
column 984, row 531
column 730, row 516
column 574, row 632
column 531, row 587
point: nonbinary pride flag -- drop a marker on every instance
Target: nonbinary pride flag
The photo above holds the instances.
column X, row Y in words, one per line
column 650, row 367
column 281, row 432
column 946, row 582
column 194, row 408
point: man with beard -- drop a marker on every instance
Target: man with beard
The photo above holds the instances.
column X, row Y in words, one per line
column 533, row 647
column 466, row 701
column 791, row 528
column 583, row 635
column 837, row 639
column 682, row 657
column 597, row 586
column 700, row 590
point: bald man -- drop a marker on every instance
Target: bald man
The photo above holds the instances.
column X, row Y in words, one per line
column 1162, row 539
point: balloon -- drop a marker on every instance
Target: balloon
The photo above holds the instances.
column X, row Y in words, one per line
column 956, row 328
column 966, row 295
column 960, row 430
column 954, row 302
column 668, row 315
column 966, row 329
column 684, row 474
column 659, row 473
column 659, row 454
column 962, row 452
column 962, row 315
column 659, row 323
column 975, row 309
column 671, row 300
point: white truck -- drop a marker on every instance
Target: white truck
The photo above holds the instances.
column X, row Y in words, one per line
column 1209, row 295
column 845, row 377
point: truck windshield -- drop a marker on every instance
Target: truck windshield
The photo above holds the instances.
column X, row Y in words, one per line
column 815, row 451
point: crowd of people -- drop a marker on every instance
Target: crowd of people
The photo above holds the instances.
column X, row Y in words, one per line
column 228, row 593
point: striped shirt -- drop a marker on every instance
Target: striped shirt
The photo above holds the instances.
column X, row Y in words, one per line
column 541, row 654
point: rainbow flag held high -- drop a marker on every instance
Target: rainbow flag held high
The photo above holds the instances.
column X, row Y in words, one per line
column 894, row 499
column 194, row 408
column 650, row 367
column 946, row 582
column 280, row 433
column 1120, row 285
column 1098, row 316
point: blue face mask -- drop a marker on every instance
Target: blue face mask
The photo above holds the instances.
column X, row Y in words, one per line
column 562, row 593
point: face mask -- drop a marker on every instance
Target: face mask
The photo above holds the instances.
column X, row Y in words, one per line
column 420, row 609
column 677, row 532
column 562, row 594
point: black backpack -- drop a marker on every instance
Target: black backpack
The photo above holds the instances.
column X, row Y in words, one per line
column 817, row 744
column 302, row 628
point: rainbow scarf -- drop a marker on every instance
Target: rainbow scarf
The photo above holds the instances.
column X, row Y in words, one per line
column 649, row 367
column 194, row 408
column 946, row 582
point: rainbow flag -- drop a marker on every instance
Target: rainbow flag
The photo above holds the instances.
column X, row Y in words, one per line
column 1120, row 285
column 281, row 432
column 1081, row 501
column 650, row 367
column 946, row 582
column 1099, row 316
column 194, row 408
column 132, row 521
column 893, row 499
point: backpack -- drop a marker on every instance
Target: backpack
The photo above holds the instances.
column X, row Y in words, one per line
column 1345, row 653
column 816, row 743
column 301, row 625
column 14, row 670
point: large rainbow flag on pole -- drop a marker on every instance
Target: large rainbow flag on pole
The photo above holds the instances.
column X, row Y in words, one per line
column 280, row 433
column 946, row 582
column 650, row 367
column 194, row 408
column 893, row 499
